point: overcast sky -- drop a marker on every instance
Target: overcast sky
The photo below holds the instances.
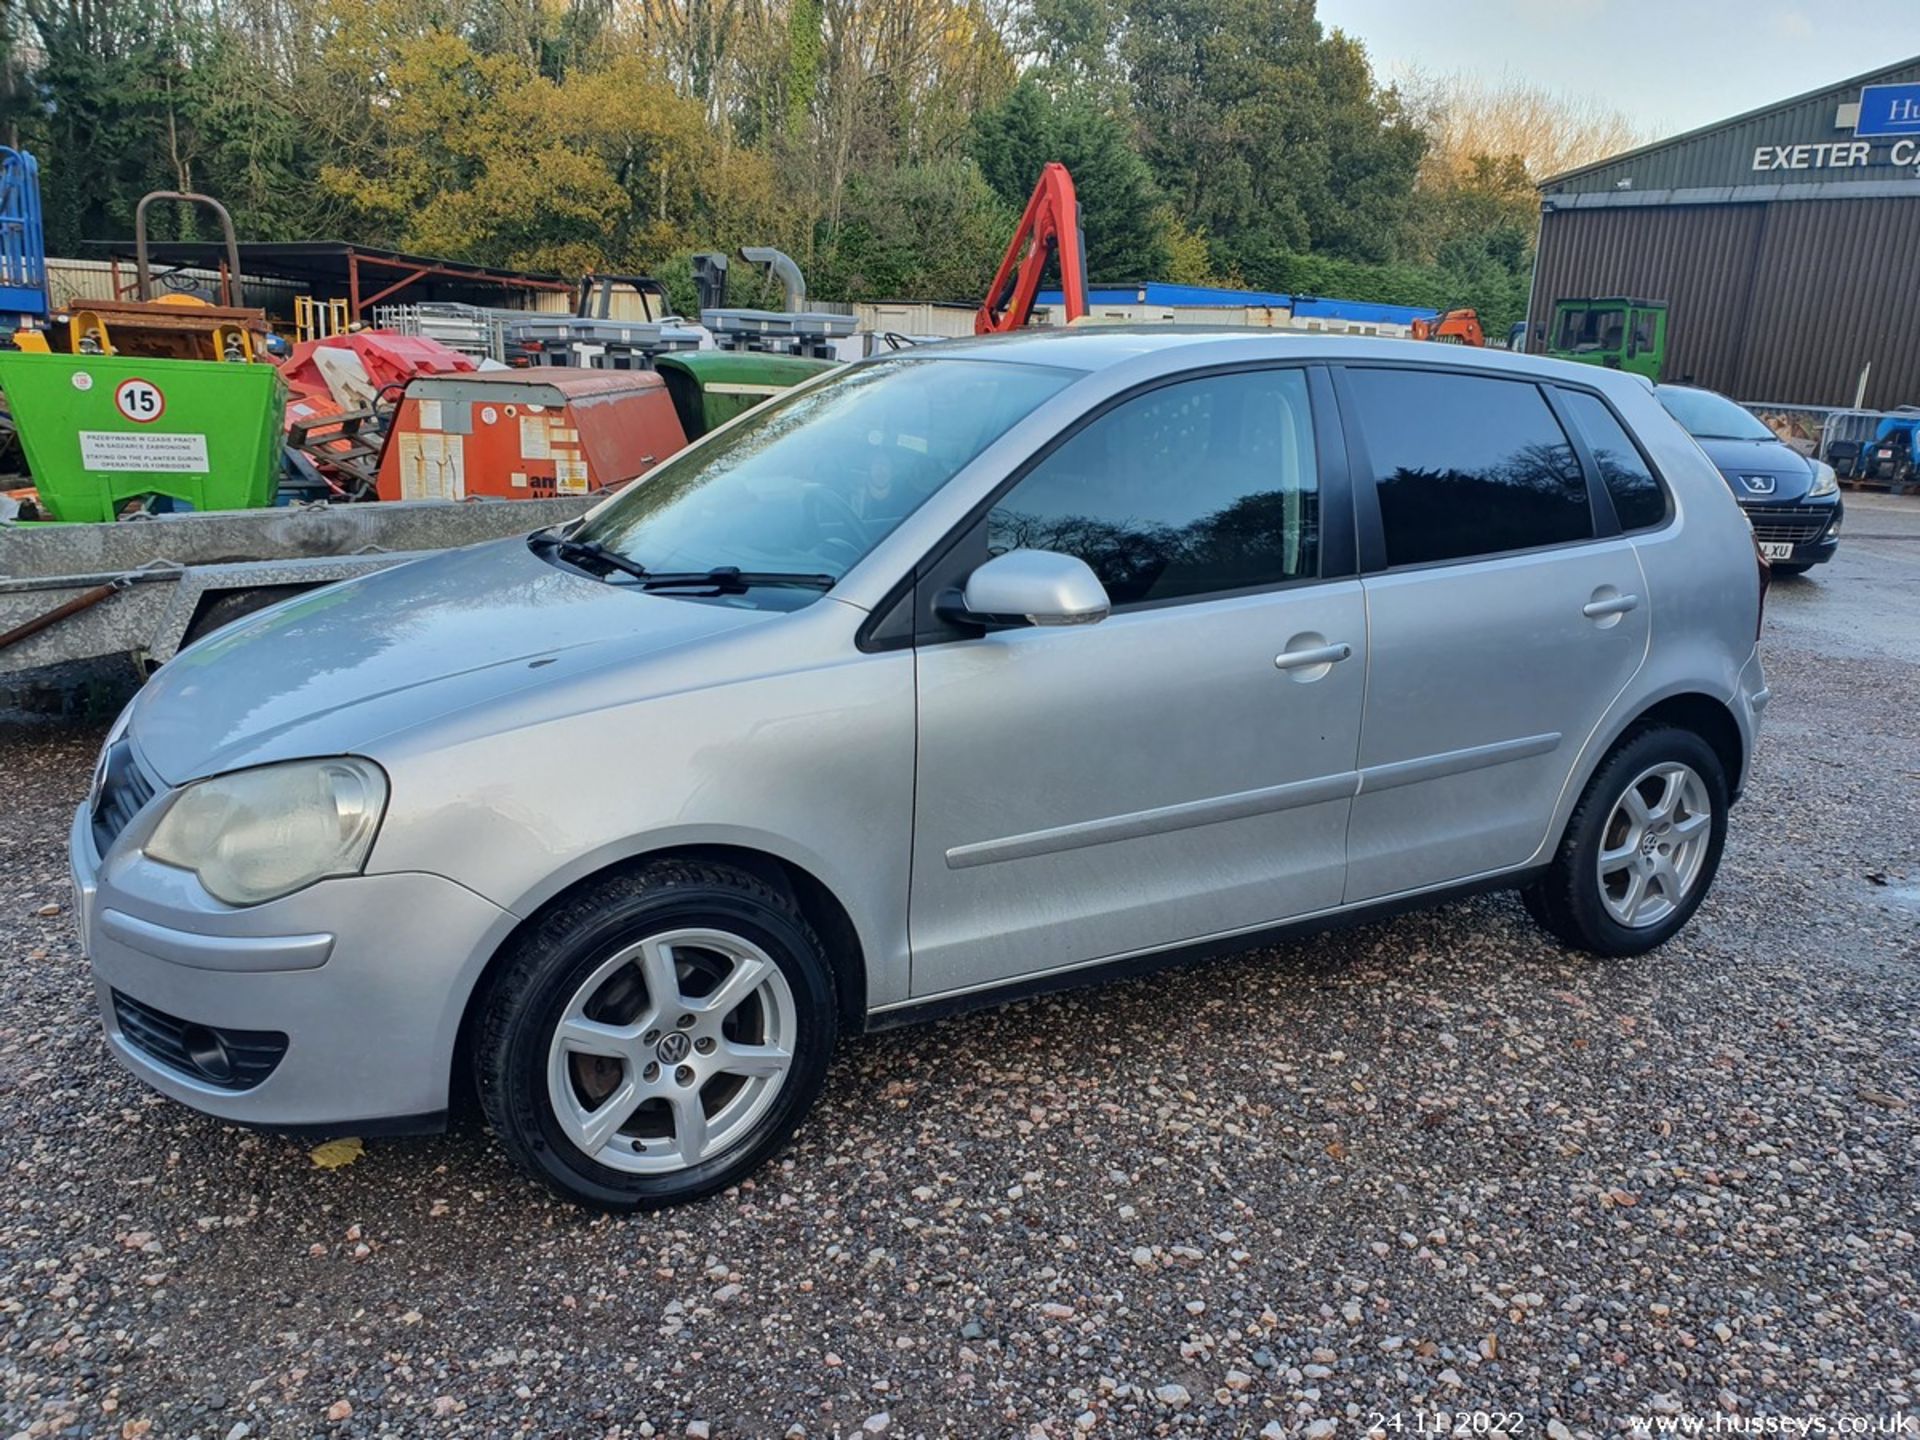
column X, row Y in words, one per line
column 1669, row 64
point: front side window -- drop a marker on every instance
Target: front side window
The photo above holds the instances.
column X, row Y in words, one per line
column 1637, row 497
column 810, row 482
column 1194, row 488
column 1646, row 325
column 1465, row 465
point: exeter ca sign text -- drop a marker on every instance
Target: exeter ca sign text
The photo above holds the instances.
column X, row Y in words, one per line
column 1836, row 155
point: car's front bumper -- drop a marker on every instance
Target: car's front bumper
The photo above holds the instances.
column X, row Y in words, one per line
column 1811, row 527
column 363, row 980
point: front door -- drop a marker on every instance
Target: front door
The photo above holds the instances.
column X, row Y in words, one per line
column 1182, row 769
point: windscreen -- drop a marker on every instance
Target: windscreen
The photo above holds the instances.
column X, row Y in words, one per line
column 1707, row 416
column 1583, row 329
column 814, row 480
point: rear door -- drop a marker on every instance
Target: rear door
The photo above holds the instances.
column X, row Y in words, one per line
column 1183, row 768
column 1504, row 614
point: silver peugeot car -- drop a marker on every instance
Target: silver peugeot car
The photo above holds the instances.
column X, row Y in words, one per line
column 959, row 674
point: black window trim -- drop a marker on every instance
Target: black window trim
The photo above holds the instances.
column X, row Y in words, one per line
column 920, row 590
column 1606, row 523
column 1596, row 483
column 1371, row 530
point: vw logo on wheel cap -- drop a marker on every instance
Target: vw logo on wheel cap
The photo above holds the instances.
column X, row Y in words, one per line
column 673, row 1047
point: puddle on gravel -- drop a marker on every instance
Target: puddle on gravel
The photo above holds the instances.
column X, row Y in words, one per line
column 1900, row 892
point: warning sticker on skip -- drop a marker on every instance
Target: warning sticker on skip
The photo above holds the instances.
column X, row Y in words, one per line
column 120, row 450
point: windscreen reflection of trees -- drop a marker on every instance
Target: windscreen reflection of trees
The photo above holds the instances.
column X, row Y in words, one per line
column 1536, row 495
column 1259, row 539
column 670, row 484
column 814, row 480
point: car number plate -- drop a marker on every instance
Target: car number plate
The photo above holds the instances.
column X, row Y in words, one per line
column 1776, row 550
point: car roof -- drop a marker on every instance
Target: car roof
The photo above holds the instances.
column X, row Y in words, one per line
column 1098, row 346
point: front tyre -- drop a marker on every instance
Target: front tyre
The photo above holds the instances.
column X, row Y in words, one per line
column 1641, row 848
column 655, row 1037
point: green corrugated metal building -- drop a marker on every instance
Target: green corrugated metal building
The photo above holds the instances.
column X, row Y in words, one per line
column 1786, row 242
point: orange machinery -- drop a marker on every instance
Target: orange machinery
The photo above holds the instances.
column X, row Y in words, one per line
column 1049, row 231
column 527, row 434
column 1455, row 327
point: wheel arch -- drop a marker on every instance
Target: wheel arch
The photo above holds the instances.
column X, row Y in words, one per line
column 824, row 910
column 1685, row 707
column 1712, row 720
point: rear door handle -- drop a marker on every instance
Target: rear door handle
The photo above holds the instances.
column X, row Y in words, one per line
column 1319, row 655
column 1614, row 605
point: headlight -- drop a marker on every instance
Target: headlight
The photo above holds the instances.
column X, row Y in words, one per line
column 1825, row 482
column 259, row 834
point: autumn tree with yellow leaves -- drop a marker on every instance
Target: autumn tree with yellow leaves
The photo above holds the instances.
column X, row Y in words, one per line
column 886, row 144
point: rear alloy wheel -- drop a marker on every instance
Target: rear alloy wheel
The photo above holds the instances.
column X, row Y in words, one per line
column 657, row 1035
column 1641, row 847
column 1655, row 844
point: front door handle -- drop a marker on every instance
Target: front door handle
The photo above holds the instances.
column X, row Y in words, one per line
column 1610, row 605
column 1318, row 655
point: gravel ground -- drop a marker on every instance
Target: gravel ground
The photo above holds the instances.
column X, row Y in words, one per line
column 1432, row 1164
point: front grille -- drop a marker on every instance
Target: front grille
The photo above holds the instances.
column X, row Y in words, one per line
column 124, row 790
column 230, row 1059
column 1787, row 524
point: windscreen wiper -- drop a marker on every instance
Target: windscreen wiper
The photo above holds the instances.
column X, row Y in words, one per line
column 732, row 580
column 594, row 551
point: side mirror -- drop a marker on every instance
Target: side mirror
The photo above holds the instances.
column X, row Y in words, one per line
column 1039, row 587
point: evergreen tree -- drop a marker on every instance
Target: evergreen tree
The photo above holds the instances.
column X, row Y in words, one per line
column 1122, row 210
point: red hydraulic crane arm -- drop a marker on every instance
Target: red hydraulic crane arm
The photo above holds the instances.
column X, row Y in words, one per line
column 1049, row 230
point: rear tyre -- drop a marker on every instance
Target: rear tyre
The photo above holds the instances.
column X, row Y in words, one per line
column 657, row 1036
column 1641, row 848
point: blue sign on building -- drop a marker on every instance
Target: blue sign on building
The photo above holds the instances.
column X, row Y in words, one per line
column 1889, row 110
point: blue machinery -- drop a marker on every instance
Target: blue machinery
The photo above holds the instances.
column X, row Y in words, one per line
column 23, row 244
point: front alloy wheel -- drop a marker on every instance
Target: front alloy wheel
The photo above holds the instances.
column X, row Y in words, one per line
column 670, row 1051
column 657, row 1034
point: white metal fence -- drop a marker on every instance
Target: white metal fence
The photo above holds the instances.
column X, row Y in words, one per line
column 1815, row 430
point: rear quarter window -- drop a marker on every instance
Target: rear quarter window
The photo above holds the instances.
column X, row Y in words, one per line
column 1638, row 500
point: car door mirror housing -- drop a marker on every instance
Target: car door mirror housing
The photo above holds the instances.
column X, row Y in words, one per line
column 1035, row 587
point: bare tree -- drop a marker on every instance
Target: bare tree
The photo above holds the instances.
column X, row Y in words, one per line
column 1467, row 117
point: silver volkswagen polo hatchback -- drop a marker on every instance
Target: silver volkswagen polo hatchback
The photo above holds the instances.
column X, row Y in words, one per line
column 960, row 674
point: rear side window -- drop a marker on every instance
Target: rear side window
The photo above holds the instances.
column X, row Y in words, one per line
column 1190, row 489
column 1637, row 499
column 1466, row 465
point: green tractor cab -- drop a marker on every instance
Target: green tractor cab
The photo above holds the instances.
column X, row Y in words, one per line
column 1616, row 331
